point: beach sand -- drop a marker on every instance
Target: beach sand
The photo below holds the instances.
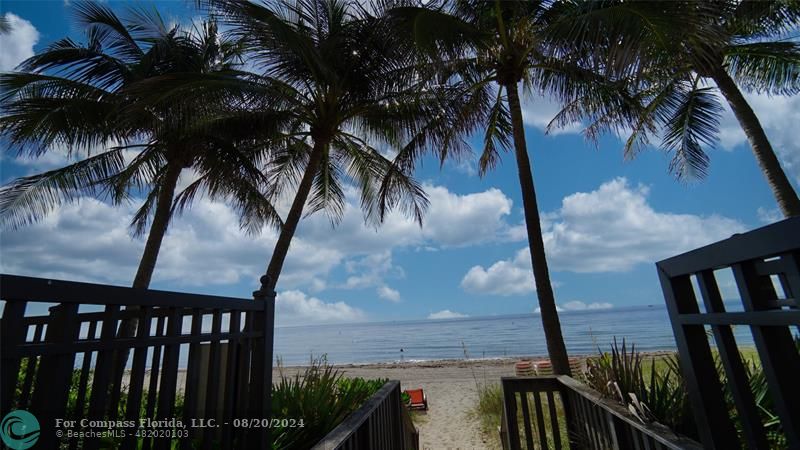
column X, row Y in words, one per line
column 451, row 388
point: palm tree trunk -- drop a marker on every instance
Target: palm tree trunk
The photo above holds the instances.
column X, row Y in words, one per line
column 295, row 213
column 147, row 264
column 762, row 149
column 547, row 303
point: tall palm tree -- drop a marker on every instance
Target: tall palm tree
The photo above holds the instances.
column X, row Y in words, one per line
column 487, row 51
column 730, row 47
column 84, row 96
column 345, row 84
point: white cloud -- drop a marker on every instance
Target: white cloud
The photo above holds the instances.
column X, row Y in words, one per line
column 17, row 43
column 779, row 117
column 577, row 305
column 387, row 293
column 614, row 228
column 295, row 307
column 446, row 314
column 459, row 220
column 205, row 246
column 506, row 277
column 769, row 215
column 611, row 229
column 538, row 111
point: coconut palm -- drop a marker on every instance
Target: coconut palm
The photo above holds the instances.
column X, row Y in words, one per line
column 729, row 47
column 83, row 97
column 490, row 50
column 346, row 85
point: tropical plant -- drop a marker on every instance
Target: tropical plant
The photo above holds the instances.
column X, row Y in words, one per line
column 321, row 398
column 676, row 55
column 485, row 51
column 343, row 81
column 659, row 396
column 83, row 98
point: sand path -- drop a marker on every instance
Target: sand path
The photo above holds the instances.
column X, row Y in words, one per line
column 452, row 394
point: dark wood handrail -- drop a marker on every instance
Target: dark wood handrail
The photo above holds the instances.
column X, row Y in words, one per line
column 16, row 287
column 376, row 425
column 586, row 411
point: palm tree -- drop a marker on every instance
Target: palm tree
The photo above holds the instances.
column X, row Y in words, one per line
column 345, row 84
column 486, row 50
column 84, row 96
column 729, row 46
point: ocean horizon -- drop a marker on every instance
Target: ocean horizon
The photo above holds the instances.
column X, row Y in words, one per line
column 488, row 337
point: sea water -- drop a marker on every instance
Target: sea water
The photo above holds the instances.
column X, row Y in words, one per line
column 648, row 327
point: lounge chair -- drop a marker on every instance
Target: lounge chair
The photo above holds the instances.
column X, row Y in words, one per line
column 418, row 399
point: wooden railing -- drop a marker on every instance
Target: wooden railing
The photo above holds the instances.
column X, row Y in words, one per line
column 69, row 364
column 382, row 423
column 765, row 265
column 559, row 412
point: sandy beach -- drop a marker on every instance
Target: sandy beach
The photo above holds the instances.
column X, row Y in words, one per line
column 451, row 388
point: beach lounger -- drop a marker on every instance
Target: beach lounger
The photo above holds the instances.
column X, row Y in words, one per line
column 418, row 399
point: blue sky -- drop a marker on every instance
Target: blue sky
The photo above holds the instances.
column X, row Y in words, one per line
column 606, row 221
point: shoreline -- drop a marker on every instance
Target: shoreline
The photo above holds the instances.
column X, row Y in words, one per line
column 459, row 362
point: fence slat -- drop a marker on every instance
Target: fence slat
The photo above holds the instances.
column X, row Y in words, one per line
column 13, row 333
column 776, row 349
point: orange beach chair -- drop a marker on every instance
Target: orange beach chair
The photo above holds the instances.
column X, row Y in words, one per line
column 418, row 399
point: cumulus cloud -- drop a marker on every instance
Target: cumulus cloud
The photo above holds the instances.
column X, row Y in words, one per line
column 295, row 307
column 779, row 116
column 611, row 229
column 18, row 42
column 387, row 293
column 446, row 314
column 614, row 228
column 507, row 277
column 204, row 246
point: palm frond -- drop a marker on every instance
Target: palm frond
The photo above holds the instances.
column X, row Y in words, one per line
column 29, row 199
column 693, row 124
column 765, row 67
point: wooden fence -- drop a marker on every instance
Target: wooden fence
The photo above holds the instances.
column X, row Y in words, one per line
column 382, row 423
column 559, row 412
column 64, row 363
column 765, row 267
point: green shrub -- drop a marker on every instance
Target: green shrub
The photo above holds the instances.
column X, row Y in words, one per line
column 321, row 398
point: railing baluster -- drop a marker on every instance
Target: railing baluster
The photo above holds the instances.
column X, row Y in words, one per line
column 153, row 379
column 510, row 406
column 212, row 380
column 30, row 370
column 230, row 385
column 190, row 390
column 14, row 332
column 554, row 425
column 136, row 381
column 526, row 419
column 169, row 375
column 537, row 403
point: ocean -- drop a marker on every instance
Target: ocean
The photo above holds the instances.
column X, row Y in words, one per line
column 647, row 327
